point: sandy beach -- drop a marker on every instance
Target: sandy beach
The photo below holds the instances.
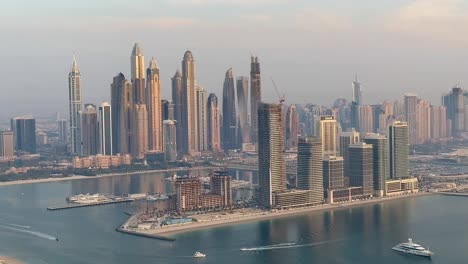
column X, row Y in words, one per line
column 9, row 260
column 259, row 215
column 79, row 177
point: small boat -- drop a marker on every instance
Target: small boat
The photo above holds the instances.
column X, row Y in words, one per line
column 198, row 254
column 412, row 248
column 56, row 239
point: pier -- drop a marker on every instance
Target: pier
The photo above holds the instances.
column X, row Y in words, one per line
column 77, row 205
column 122, row 229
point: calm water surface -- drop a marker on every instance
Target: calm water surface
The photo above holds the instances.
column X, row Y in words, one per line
column 351, row 235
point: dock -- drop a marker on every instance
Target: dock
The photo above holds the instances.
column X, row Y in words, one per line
column 121, row 229
column 77, row 205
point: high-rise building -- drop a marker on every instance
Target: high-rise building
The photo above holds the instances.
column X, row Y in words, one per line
column 189, row 116
column 411, row 101
column 221, row 185
column 214, row 123
column 438, row 122
column 271, row 164
column 228, row 139
column 458, row 110
column 327, row 131
column 292, row 127
column 357, row 93
column 75, row 103
column 122, row 109
column 398, row 146
column 380, row 161
column 153, row 106
column 332, row 172
column 167, row 110
column 255, row 97
column 24, row 134
column 105, row 129
column 170, row 140
column 137, row 67
column 89, row 131
column 202, row 119
column 242, row 105
column 188, row 192
column 423, row 118
column 346, row 139
column 366, row 120
column 309, row 167
column 178, row 99
column 62, row 130
column 140, row 128
column 7, row 145
column 361, row 167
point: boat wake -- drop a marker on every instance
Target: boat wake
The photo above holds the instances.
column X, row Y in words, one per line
column 287, row 246
column 34, row 233
column 20, row 226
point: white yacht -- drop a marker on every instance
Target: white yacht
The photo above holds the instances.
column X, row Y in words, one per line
column 412, row 248
column 199, row 255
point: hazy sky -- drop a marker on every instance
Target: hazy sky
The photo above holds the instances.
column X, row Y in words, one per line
column 311, row 48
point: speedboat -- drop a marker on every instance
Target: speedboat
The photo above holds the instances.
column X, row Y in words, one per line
column 199, row 255
column 412, row 248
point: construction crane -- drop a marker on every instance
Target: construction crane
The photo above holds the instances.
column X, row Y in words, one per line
column 280, row 98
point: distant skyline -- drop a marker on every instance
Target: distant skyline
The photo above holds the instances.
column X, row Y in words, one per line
column 312, row 49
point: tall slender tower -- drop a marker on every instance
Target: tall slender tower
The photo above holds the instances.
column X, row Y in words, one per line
column 398, row 145
column 327, row 131
column 243, row 109
column 255, row 97
column 355, row 104
column 137, row 66
column 214, row 123
column 153, row 105
column 177, row 98
column 309, row 167
column 140, row 125
column 361, row 167
column 292, row 127
column 170, row 136
column 105, row 129
column 189, row 106
column 122, row 107
column 89, row 131
column 411, row 101
column 229, row 112
column 202, row 119
column 75, row 102
column 271, row 164
column 380, row 161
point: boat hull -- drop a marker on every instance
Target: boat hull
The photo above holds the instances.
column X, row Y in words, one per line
column 426, row 254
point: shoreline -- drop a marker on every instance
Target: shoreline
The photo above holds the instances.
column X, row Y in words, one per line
column 167, row 232
column 81, row 177
column 9, row 260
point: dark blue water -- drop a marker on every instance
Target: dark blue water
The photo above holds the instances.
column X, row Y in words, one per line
column 352, row 235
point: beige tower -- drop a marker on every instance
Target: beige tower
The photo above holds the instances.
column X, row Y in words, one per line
column 153, row 105
column 327, row 131
column 202, row 119
column 137, row 66
column 189, row 105
column 140, row 128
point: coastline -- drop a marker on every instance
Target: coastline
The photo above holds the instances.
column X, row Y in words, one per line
column 80, row 177
column 9, row 260
column 168, row 231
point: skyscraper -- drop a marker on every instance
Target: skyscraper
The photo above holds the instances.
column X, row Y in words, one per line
column 332, row 172
column 170, row 140
column 122, row 109
column 89, row 131
column 214, row 123
column 292, row 127
column 153, row 106
column 255, row 97
column 423, row 125
column 380, row 161
column 221, row 185
column 202, row 119
column 366, row 120
column 177, row 99
column 411, row 101
column 137, row 67
column 361, row 167
column 140, row 128
column 105, row 129
column 242, row 105
column 346, row 139
column 189, row 116
column 355, row 105
column 327, row 131
column 228, row 138
column 7, row 145
column 438, row 122
column 62, row 130
column 458, row 110
column 75, row 103
column 309, row 167
column 271, row 164
column 357, row 93
column 398, row 146
column 24, row 134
